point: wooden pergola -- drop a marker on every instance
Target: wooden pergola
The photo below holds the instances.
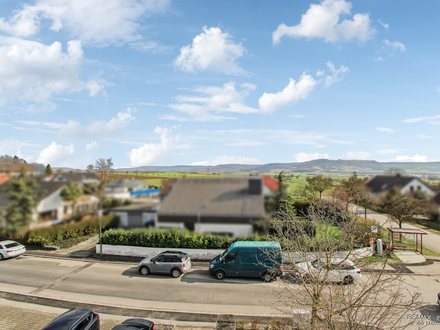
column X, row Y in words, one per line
column 406, row 231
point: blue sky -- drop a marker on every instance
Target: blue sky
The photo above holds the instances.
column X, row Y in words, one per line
column 212, row 82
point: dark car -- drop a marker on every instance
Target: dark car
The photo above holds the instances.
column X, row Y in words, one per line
column 135, row 324
column 75, row 319
column 438, row 298
column 174, row 263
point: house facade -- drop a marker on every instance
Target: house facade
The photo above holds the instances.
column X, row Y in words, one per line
column 227, row 206
column 123, row 188
column 137, row 215
column 381, row 184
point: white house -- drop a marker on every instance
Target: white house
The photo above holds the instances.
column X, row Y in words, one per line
column 123, row 188
column 381, row 184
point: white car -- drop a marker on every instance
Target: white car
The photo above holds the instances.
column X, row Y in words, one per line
column 9, row 249
column 340, row 271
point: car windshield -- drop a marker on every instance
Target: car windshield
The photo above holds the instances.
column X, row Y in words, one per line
column 225, row 252
column 11, row 245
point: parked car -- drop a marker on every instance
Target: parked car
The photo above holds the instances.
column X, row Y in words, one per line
column 75, row 319
column 438, row 298
column 340, row 270
column 249, row 259
column 174, row 263
column 9, row 249
column 135, row 324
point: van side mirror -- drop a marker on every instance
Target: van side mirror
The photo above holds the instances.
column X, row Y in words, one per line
column 223, row 261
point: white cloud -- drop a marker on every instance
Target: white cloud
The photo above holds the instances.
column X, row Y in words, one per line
column 212, row 99
column 320, row 73
column 293, row 92
column 32, row 71
column 245, row 143
column 150, row 153
column 10, row 147
column 385, row 130
column 98, row 129
column 92, row 145
column 430, row 119
column 296, row 116
column 424, row 136
column 211, row 50
column 389, row 49
column 305, row 157
column 41, row 123
column 56, row 154
column 388, row 151
column 322, row 21
column 415, row 158
column 337, row 74
column 358, row 155
column 219, row 160
column 385, row 25
column 96, row 23
column 95, row 87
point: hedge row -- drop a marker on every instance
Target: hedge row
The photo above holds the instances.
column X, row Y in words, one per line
column 48, row 235
column 172, row 238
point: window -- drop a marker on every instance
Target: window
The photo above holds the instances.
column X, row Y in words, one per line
column 160, row 259
column 168, row 259
column 231, row 257
column 411, row 189
column 419, row 187
column 84, row 323
column 248, row 258
column 10, row 245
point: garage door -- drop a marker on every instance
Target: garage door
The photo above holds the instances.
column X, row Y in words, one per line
column 135, row 220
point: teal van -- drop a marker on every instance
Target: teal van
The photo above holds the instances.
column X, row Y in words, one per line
column 249, row 259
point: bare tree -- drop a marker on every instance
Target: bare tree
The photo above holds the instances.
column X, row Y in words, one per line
column 378, row 300
column 90, row 168
column 103, row 166
column 394, row 171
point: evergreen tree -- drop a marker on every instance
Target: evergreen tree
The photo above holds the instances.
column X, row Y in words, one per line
column 18, row 212
column 49, row 170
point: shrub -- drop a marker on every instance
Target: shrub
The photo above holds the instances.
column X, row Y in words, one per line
column 49, row 235
column 172, row 238
column 362, row 228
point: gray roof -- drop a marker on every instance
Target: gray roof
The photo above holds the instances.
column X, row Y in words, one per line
column 128, row 183
column 213, row 197
column 48, row 187
column 79, row 177
column 381, row 183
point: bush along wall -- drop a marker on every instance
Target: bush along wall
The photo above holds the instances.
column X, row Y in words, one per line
column 172, row 238
column 49, row 235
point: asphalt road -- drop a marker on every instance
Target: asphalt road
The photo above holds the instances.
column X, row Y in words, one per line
column 123, row 281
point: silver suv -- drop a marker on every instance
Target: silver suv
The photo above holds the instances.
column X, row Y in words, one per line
column 174, row 263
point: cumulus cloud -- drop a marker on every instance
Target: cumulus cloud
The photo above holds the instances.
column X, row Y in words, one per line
column 385, row 130
column 358, row 155
column 56, row 154
column 98, row 129
column 219, row 160
column 150, row 153
column 322, row 21
column 337, row 74
column 212, row 99
column 92, row 145
column 389, row 49
column 305, row 157
column 96, row 23
column 415, row 158
column 10, row 147
column 211, row 50
column 292, row 93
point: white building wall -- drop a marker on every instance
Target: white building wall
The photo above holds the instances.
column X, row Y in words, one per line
column 179, row 225
column 414, row 185
column 52, row 202
column 147, row 216
column 123, row 218
column 235, row 229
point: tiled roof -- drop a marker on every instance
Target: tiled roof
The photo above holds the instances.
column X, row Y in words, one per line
column 226, row 197
column 270, row 183
column 14, row 167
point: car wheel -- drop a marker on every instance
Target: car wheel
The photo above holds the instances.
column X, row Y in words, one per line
column 145, row 271
column 1, row 256
column 347, row 279
column 220, row 275
column 267, row 277
column 176, row 273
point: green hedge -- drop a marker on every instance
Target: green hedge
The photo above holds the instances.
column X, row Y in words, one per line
column 49, row 235
column 172, row 238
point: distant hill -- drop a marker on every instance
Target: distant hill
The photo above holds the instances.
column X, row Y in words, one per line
column 362, row 167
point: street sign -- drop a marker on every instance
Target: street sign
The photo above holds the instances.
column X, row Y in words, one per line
column 373, row 229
